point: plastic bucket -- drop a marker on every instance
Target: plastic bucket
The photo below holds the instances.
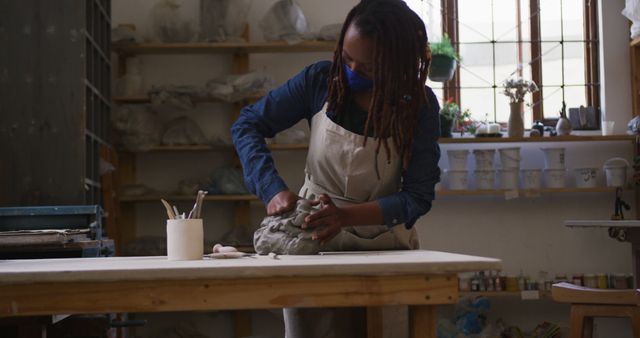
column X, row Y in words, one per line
column 485, row 179
column 457, row 179
column 554, row 178
column 586, row 177
column 508, row 179
column 553, row 158
column 615, row 170
column 510, row 158
column 458, row 159
column 531, row 178
column 484, row 158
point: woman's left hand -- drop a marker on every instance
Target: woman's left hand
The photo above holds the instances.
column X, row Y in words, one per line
column 330, row 218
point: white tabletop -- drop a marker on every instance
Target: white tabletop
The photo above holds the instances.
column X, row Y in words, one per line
column 159, row 268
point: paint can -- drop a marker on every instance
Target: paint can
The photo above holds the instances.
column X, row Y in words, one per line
column 553, row 158
column 458, row 159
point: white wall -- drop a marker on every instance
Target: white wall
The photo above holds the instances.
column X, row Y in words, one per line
column 527, row 233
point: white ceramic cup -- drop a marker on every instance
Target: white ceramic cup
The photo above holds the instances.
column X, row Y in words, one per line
column 185, row 239
column 607, row 127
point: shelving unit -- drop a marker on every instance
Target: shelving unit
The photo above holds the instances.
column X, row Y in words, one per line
column 240, row 54
column 634, row 48
column 55, row 96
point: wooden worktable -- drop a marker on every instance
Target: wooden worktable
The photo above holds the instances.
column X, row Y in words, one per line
column 417, row 278
column 632, row 229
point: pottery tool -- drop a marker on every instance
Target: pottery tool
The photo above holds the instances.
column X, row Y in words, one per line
column 201, row 200
column 197, row 206
column 175, row 211
column 170, row 212
column 221, row 252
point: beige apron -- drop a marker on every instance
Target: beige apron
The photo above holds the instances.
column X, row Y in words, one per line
column 338, row 165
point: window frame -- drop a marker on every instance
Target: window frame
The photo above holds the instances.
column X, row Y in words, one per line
column 451, row 89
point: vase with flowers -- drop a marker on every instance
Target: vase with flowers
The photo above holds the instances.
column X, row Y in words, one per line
column 515, row 89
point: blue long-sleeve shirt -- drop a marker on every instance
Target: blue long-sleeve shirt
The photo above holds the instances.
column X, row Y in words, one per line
column 301, row 98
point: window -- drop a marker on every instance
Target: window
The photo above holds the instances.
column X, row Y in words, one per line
column 552, row 42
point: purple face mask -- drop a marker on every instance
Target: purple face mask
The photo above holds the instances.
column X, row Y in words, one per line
column 357, row 82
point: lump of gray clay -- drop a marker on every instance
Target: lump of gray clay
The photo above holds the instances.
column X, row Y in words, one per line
column 283, row 235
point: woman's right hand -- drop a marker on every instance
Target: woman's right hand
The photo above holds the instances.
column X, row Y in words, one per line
column 282, row 202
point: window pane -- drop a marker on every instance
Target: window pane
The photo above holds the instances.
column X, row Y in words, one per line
column 575, row 96
column 574, row 63
column 431, row 13
column 550, row 28
column 573, row 19
column 476, row 68
column 507, row 61
column 551, row 63
column 505, row 13
column 479, row 102
column 552, row 102
column 474, row 20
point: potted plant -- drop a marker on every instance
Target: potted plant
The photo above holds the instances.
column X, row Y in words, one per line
column 444, row 60
column 452, row 117
column 448, row 114
column 515, row 89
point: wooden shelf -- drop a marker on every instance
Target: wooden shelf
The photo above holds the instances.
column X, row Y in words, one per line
column 223, row 47
column 522, row 192
column 635, row 43
column 570, row 138
column 196, row 99
column 171, row 198
column 605, row 223
column 505, row 294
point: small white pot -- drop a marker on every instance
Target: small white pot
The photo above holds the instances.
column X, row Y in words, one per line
column 554, row 178
column 553, row 158
column 531, row 178
column 457, row 179
column 485, row 179
column 484, row 158
column 616, row 171
column 508, row 179
column 510, row 158
column 586, row 177
column 458, row 159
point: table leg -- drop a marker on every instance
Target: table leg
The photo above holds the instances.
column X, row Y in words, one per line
column 633, row 236
column 374, row 322
column 422, row 321
column 242, row 323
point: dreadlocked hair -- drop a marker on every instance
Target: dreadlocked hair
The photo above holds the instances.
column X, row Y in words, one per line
column 400, row 66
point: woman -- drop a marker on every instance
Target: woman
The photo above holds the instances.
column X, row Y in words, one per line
column 373, row 152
